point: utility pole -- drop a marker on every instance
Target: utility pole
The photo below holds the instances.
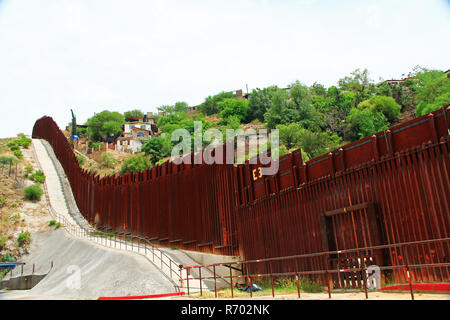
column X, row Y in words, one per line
column 74, row 128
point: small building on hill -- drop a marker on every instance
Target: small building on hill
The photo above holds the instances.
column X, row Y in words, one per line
column 136, row 131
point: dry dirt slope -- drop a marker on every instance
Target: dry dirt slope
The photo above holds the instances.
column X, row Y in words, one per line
column 102, row 271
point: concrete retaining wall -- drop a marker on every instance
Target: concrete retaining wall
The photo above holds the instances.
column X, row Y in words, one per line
column 22, row 282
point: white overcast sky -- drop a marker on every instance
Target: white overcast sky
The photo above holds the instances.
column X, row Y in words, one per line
column 94, row 55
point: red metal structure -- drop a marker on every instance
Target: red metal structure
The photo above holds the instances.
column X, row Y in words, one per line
column 389, row 188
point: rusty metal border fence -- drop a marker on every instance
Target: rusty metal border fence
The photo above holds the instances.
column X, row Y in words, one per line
column 392, row 187
column 121, row 241
column 187, row 206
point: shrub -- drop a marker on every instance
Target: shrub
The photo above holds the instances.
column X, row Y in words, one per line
column 23, row 141
column 363, row 123
column 135, row 163
column 28, row 169
column 3, row 240
column 2, row 201
column 18, row 154
column 80, row 160
column 386, row 105
column 38, row 176
column 94, row 145
column 108, row 160
column 24, row 238
column 14, row 147
column 57, row 225
column 234, row 107
column 51, row 223
column 33, row 192
column 11, row 144
column 16, row 218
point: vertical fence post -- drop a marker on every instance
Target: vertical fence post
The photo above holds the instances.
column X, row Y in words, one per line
column 365, row 280
column 231, row 282
column 402, row 250
column 250, row 285
column 298, row 285
column 181, row 275
column 329, row 283
column 271, row 280
column 200, row 276
column 215, row 281
column 187, row 279
column 409, row 282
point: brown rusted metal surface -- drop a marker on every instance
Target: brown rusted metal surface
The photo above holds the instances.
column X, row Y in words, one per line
column 188, row 206
column 389, row 188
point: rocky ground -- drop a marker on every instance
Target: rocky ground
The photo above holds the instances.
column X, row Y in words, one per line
column 18, row 215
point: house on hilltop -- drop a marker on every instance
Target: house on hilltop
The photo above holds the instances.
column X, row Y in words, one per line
column 136, row 131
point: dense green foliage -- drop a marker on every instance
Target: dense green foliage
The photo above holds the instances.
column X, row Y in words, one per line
column 24, row 238
column 18, row 154
column 209, row 106
column 158, row 148
column 105, row 124
column 80, row 159
column 33, row 192
column 433, row 91
column 261, row 101
column 134, row 113
column 234, row 107
column 316, row 119
column 135, row 163
column 108, row 160
column 37, row 176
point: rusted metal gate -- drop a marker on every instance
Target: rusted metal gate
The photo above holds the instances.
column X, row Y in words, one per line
column 389, row 188
column 356, row 226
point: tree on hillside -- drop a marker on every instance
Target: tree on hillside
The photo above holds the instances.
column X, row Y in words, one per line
column 433, row 88
column 209, row 106
column 359, row 83
column 172, row 118
column 181, row 106
column 309, row 117
column 134, row 113
column 300, row 95
column 260, row 101
column 105, row 124
column 365, row 122
column 166, row 109
column 290, row 134
column 158, row 148
column 386, row 105
column 135, row 163
column 315, row 144
column 234, row 107
column 318, row 90
column 282, row 110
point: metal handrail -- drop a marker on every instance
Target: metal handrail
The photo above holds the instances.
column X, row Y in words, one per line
column 317, row 254
column 362, row 268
